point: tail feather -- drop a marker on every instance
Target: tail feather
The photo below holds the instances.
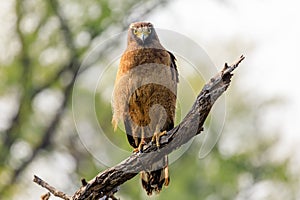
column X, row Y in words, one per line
column 155, row 180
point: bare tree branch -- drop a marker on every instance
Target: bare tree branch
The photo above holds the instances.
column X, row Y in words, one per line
column 106, row 183
column 51, row 189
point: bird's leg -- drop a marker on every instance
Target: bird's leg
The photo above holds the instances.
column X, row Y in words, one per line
column 156, row 136
column 167, row 178
column 142, row 142
column 141, row 145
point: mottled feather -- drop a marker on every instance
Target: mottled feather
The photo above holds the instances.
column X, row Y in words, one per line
column 145, row 95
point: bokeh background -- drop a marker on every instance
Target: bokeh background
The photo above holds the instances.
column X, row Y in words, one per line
column 44, row 46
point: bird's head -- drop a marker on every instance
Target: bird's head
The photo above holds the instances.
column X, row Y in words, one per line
column 141, row 32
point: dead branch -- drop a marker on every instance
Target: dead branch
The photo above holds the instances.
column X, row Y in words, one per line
column 106, row 183
column 50, row 188
column 46, row 196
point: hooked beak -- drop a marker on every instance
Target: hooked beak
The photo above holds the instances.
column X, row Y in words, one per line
column 143, row 36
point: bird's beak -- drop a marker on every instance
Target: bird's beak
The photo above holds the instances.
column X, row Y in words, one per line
column 143, row 35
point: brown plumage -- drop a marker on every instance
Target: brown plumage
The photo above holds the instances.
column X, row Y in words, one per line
column 145, row 96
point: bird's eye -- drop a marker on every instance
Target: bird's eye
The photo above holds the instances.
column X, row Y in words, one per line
column 149, row 30
column 135, row 31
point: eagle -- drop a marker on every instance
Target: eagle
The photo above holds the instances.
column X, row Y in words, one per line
column 144, row 97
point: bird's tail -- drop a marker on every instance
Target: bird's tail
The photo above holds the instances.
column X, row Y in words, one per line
column 155, row 180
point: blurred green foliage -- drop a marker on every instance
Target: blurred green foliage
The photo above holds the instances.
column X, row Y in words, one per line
column 45, row 46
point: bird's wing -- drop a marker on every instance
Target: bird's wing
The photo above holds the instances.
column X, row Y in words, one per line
column 174, row 67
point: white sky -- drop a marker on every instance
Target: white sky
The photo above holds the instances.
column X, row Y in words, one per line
column 269, row 35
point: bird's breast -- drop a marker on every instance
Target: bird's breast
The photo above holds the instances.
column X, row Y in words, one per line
column 134, row 58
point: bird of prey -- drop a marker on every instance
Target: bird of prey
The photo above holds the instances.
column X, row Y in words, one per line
column 144, row 97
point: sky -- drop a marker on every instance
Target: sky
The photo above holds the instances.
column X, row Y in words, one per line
column 266, row 32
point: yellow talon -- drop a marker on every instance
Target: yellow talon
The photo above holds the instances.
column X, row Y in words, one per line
column 141, row 145
column 135, row 150
column 156, row 137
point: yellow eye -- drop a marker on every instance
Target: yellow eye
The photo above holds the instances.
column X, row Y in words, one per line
column 135, row 31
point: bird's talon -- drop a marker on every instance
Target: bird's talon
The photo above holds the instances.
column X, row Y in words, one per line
column 156, row 137
column 136, row 150
column 153, row 138
column 141, row 146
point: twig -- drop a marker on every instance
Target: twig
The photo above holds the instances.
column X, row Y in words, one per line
column 50, row 188
column 45, row 196
column 105, row 184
